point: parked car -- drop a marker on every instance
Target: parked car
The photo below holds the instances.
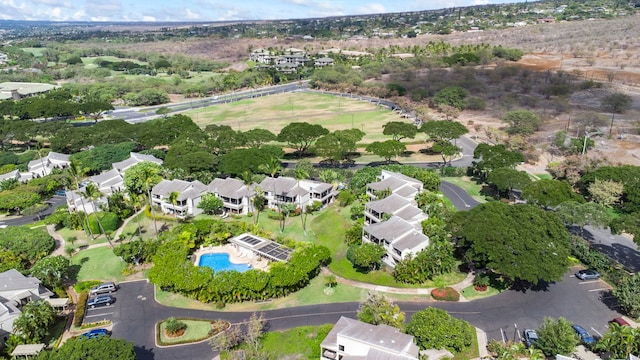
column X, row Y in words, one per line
column 620, row 321
column 94, row 334
column 588, row 274
column 583, row 334
column 530, row 337
column 107, row 287
column 100, row 300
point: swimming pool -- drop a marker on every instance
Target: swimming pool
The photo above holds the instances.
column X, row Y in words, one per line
column 220, row 262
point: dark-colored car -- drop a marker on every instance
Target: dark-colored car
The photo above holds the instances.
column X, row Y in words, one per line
column 583, row 334
column 94, row 334
column 620, row 321
column 100, row 300
column 530, row 337
column 588, row 274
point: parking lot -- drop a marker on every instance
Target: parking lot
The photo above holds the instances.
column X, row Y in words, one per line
column 586, row 303
column 104, row 312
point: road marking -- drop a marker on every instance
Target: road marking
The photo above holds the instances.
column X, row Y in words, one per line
column 600, row 289
column 103, row 315
column 596, row 331
column 589, row 282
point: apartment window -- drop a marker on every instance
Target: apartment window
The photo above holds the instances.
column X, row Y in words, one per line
column 341, row 347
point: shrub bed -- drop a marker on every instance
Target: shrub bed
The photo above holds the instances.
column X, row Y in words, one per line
column 197, row 330
column 445, row 294
column 81, row 308
column 613, row 272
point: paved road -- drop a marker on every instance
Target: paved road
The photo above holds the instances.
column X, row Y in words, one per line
column 53, row 203
column 618, row 247
column 584, row 302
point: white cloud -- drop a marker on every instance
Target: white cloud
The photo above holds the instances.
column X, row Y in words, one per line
column 372, row 8
column 192, row 15
column 56, row 3
column 148, row 18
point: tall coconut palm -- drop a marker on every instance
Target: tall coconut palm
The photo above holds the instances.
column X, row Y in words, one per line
column 92, row 193
column 258, row 203
column 301, row 174
column 272, row 167
column 173, row 199
column 150, row 177
column 247, row 180
column 134, row 201
column 77, row 172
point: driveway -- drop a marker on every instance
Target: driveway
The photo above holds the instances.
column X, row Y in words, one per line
column 582, row 302
column 53, row 203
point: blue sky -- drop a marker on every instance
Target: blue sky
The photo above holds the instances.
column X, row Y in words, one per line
column 209, row 10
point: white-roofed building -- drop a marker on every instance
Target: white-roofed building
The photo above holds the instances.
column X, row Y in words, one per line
column 44, row 166
column 134, row 159
column 353, row 339
column 282, row 190
column 189, row 196
column 235, row 195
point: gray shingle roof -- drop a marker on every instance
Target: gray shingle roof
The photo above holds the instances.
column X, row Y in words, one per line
column 13, row 280
column 388, row 205
column 230, row 187
column 194, row 190
column 166, row 187
column 107, row 178
column 135, row 158
column 391, row 229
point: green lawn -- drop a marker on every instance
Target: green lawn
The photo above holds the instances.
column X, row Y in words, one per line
column 197, row 330
column 470, row 293
column 98, row 264
column 37, row 52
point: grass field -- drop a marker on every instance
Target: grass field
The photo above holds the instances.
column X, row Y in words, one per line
column 275, row 112
column 37, row 52
column 98, row 264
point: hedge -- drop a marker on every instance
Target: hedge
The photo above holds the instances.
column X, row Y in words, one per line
column 81, row 308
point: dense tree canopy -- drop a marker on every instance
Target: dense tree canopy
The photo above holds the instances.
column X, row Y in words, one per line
column 493, row 157
column 300, row 135
column 556, row 336
column 506, row 179
column 549, row 193
column 101, row 157
column 520, row 241
column 522, row 122
column 377, row 309
column 386, row 149
column 100, row 348
column 29, row 244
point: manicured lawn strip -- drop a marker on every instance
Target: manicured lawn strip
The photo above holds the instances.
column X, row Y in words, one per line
column 544, row 176
column 197, row 330
column 82, row 239
column 470, row 293
column 98, row 264
column 36, row 52
column 472, row 353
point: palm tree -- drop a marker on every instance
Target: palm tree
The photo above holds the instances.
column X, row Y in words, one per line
column 92, row 193
column 258, row 203
column 301, row 174
column 247, row 180
column 149, row 177
column 77, row 173
column 135, row 203
column 173, row 199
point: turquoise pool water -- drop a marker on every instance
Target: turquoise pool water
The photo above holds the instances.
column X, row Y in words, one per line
column 220, row 262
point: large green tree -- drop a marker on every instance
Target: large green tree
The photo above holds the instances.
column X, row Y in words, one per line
column 443, row 130
column 51, row 270
column 491, row 157
column 338, row 144
column 452, row 96
column 386, row 149
column 522, row 122
column 399, row 130
column 29, row 244
column 519, row 241
column 435, row 329
column 507, row 179
column 556, row 336
column 549, row 193
column 300, row 135
column 32, row 326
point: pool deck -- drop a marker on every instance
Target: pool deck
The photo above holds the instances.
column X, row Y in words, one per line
column 235, row 256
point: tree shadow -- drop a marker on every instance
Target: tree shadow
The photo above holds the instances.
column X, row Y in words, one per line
column 142, row 353
column 523, row 286
column 72, row 272
column 609, row 300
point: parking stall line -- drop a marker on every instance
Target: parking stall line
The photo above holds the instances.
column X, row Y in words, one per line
column 600, row 289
